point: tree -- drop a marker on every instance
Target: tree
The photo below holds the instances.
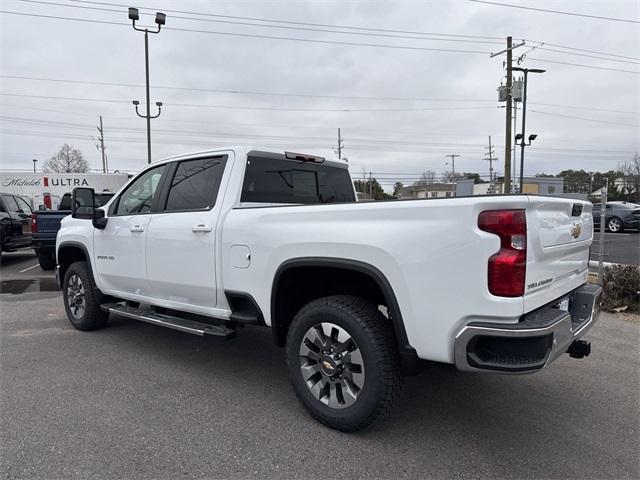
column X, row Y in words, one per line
column 371, row 186
column 67, row 160
column 576, row 181
column 427, row 178
column 450, row 177
column 631, row 178
column 472, row 176
column 397, row 188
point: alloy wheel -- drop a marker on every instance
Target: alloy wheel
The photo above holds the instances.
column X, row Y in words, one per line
column 331, row 365
column 75, row 297
column 614, row 225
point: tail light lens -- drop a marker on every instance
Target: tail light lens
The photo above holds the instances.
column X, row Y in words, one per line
column 34, row 223
column 508, row 267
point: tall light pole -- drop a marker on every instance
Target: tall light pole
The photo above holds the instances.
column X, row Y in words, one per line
column 521, row 135
column 35, row 160
column 160, row 20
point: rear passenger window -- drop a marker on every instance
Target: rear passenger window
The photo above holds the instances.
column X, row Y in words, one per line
column 195, row 184
column 274, row 180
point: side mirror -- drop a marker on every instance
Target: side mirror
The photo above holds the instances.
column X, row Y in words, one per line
column 83, row 203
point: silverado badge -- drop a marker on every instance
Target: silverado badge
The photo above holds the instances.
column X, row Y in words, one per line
column 576, row 229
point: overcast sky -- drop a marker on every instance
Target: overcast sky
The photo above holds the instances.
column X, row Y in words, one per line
column 420, row 103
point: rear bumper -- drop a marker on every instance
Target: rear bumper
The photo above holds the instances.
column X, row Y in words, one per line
column 531, row 344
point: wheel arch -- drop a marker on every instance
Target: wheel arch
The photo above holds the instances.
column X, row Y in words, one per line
column 68, row 253
column 314, row 277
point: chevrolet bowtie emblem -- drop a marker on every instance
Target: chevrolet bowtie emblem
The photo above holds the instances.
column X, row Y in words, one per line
column 576, row 229
column 327, row 365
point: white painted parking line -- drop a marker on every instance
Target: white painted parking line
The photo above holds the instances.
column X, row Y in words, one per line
column 32, row 266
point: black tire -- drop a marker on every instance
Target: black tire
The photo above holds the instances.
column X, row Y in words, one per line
column 614, row 225
column 91, row 316
column 47, row 259
column 373, row 335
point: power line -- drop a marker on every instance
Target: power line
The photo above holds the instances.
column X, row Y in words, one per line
column 599, row 57
column 582, row 49
column 289, row 22
column 574, row 14
column 286, row 27
column 587, row 119
column 294, row 39
column 582, row 65
column 300, row 95
column 248, row 35
column 248, row 92
column 246, row 107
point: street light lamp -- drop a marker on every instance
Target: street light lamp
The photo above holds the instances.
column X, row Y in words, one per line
column 160, row 20
column 35, row 160
column 521, row 136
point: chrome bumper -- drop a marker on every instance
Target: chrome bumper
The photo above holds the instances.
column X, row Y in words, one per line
column 531, row 344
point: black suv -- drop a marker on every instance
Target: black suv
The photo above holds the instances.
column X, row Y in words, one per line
column 15, row 222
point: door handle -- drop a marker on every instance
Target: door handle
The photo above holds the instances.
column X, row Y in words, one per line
column 136, row 228
column 201, row 228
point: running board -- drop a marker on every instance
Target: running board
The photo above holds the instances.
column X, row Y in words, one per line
column 168, row 321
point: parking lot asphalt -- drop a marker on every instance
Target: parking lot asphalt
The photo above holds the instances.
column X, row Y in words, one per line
column 618, row 247
column 137, row 401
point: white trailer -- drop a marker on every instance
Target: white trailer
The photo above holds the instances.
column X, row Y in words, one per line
column 46, row 189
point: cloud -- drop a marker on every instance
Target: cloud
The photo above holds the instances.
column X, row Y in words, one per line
column 410, row 139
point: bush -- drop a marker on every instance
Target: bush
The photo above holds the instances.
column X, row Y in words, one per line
column 621, row 285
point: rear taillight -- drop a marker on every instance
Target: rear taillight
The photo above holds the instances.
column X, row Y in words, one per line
column 34, row 223
column 507, row 268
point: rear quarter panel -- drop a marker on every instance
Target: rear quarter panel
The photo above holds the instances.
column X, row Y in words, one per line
column 431, row 252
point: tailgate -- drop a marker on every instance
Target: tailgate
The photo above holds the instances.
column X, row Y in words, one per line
column 559, row 234
column 49, row 222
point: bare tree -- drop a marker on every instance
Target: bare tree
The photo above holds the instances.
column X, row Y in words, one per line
column 67, row 160
column 630, row 175
column 450, row 177
column 427, row 178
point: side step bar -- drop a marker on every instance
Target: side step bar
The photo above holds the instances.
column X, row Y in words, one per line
column 168, row 321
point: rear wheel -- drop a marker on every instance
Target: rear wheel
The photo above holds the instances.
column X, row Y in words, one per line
column 343, row 362
column 47, row 259
column 81, row 298
column 614, row 225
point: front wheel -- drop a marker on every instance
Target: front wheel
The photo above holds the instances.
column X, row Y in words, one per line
column 81, row 298
column 614, row 225
column 343, row 362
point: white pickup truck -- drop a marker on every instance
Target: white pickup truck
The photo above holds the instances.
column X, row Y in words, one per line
column 357, row 293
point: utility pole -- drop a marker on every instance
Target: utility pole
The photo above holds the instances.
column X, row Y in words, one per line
column 101, row 139
column 453, row 164
column 340, row 146
column 507, row 138
column 370, row 186
column 509, row 99
column 490, row 158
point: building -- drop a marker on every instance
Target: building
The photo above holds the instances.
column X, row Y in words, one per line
column 431, row 190
column 533, row 185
